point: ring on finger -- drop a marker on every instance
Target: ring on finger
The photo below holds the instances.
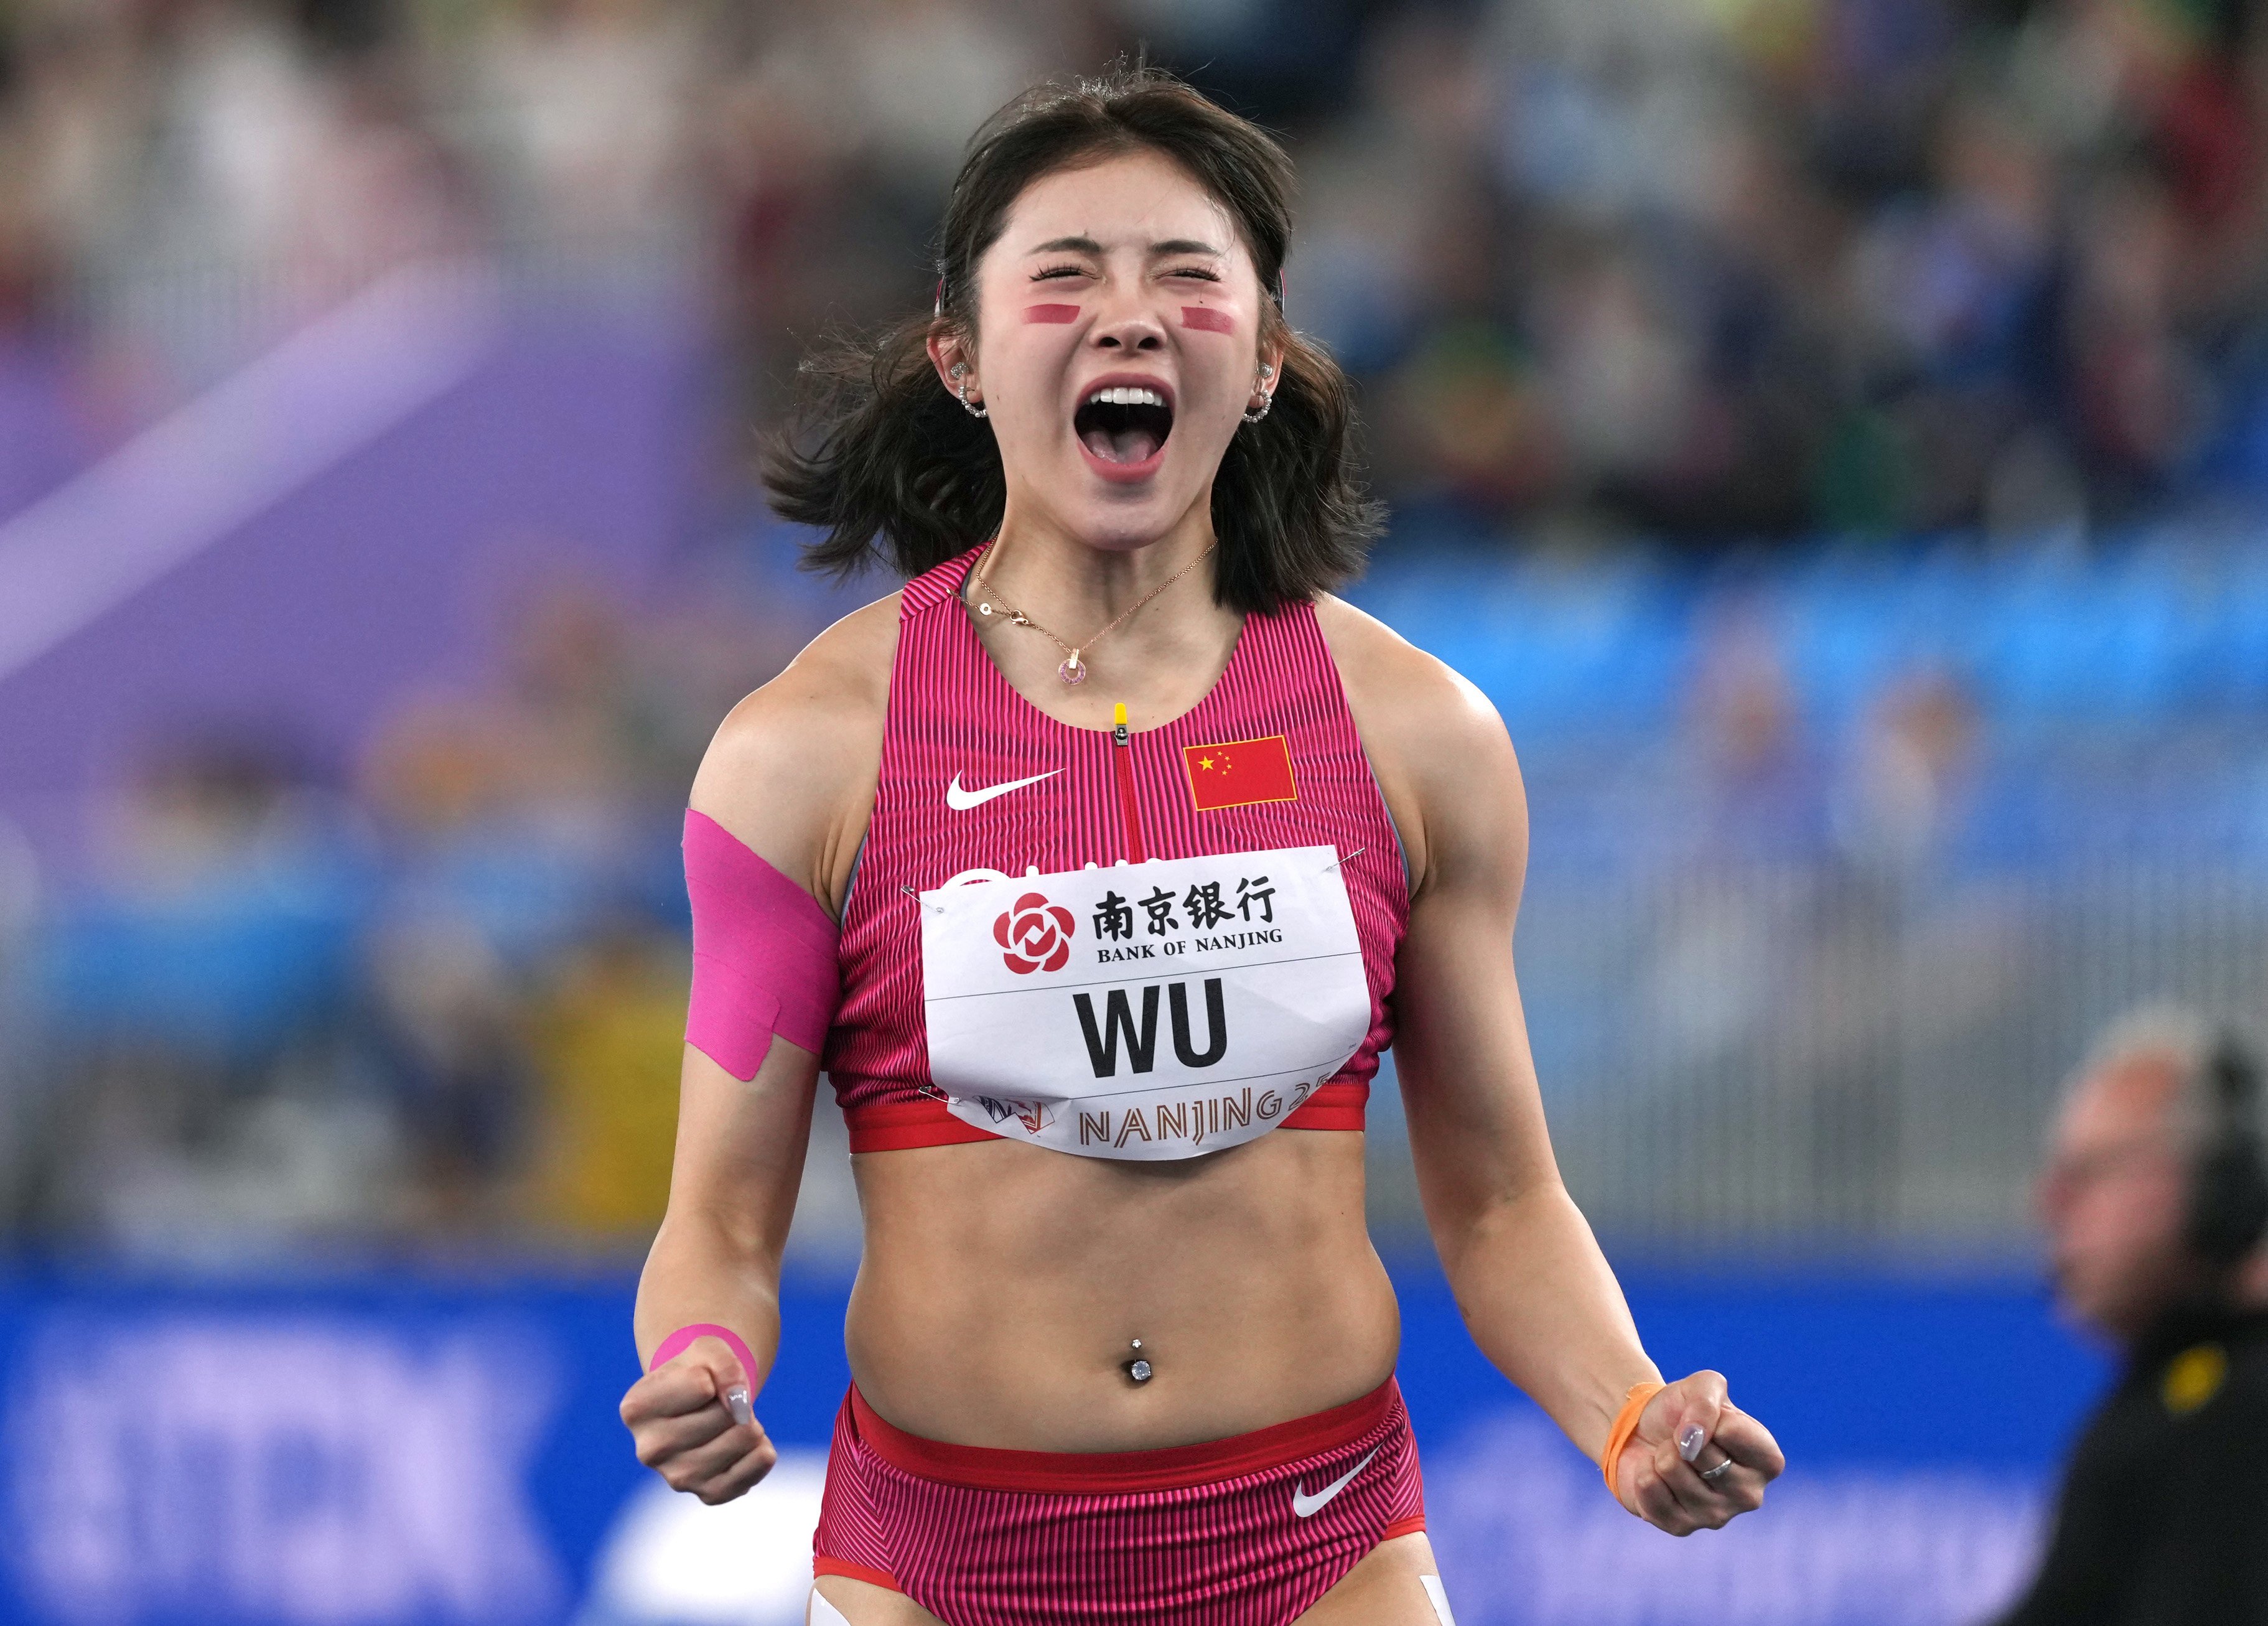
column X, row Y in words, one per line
column 1711, row 1475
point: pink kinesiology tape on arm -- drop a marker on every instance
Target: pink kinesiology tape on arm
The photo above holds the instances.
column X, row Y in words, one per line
column 763, row 954
column 670, row 1348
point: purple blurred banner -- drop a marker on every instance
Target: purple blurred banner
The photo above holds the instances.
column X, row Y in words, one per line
column 363, row 503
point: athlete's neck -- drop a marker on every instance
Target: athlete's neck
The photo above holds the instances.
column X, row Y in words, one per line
column 1159, row 661
column 1074, row 585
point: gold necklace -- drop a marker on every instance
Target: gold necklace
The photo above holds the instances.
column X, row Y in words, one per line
column 1073, row 670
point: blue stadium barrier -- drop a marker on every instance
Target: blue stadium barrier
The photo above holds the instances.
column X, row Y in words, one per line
column 444, row 1451
column 2133, row 633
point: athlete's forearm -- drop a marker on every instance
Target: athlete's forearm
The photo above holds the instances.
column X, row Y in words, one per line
column 1543, row 1305
column 740, row 1148
column 699, row 1271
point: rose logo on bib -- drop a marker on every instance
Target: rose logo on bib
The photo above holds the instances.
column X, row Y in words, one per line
column 1036, row 934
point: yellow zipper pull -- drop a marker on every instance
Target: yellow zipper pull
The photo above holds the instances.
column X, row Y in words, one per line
column 1122, row 760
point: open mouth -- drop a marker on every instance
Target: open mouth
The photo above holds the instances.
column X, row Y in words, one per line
column 1123, row 423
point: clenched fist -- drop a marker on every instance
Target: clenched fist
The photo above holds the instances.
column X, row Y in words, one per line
column 693, row 1425
column 1696, row 1461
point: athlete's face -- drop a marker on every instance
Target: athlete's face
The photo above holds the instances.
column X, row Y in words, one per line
column 1119, row 347
column 2115, row 1193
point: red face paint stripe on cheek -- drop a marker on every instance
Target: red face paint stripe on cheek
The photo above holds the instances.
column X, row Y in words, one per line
column 1204, row 317
column 1052, row 312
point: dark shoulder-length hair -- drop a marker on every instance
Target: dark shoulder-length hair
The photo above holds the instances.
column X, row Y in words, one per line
column 890, row 468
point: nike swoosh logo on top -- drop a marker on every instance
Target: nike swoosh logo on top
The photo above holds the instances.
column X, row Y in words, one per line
column 1306, row 1506
column 962, row 801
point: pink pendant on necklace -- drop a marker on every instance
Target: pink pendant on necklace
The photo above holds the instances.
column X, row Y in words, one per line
column 1072, row 670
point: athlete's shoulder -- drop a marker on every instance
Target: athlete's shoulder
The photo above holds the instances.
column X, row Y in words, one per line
column 1400, row 693
column 840, row 680
column 793, row 766
column 1441, row 754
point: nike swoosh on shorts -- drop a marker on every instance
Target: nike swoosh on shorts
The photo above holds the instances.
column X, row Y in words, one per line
column 1306, row 1506
column 962, row 801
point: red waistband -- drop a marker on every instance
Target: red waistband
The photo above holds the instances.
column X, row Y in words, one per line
column 898, row 1126
column 1168, row 1468
column 1338, row 1105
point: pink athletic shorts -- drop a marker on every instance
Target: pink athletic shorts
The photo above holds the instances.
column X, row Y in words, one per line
column 1248, row 1531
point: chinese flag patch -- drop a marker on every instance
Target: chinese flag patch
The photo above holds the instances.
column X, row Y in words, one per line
column 1236, row 773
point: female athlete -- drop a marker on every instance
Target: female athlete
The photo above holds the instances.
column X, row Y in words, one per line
column 1131, row 848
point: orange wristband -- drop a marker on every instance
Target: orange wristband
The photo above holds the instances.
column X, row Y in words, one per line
column 1626, row 1425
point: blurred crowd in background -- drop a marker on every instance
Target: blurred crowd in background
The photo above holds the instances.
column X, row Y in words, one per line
column 1677, row 322
column 444, row 999
column 1715, row 267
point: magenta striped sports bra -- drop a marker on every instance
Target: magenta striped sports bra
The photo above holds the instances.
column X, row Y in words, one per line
column 1155, row 907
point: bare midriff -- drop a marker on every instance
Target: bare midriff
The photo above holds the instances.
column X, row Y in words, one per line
column 1003, row 1286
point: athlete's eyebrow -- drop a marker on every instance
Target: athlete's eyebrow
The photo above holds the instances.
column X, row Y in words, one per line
column 1157, row 251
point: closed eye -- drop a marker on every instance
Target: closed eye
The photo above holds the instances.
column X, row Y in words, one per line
column 1058, row 270
column 1197, row 271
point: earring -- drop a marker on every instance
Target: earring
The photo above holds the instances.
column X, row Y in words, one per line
column 961, row 372
column 1266, row 399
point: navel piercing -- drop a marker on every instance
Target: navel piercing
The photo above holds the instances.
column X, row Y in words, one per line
column 1138, row 1369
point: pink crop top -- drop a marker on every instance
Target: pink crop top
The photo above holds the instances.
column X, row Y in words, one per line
column 1264, row 780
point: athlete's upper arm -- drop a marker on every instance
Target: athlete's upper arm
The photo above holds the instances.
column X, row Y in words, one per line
column 1446, row 766
column 791, row 775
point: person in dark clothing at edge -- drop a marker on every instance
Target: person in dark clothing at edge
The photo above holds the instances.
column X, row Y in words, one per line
column 2155, row 1198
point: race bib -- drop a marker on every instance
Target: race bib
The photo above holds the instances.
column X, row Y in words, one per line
column 1149, row 1011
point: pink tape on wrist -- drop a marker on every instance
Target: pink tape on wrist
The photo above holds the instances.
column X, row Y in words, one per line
column 681, row 1340
column 763, row 954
